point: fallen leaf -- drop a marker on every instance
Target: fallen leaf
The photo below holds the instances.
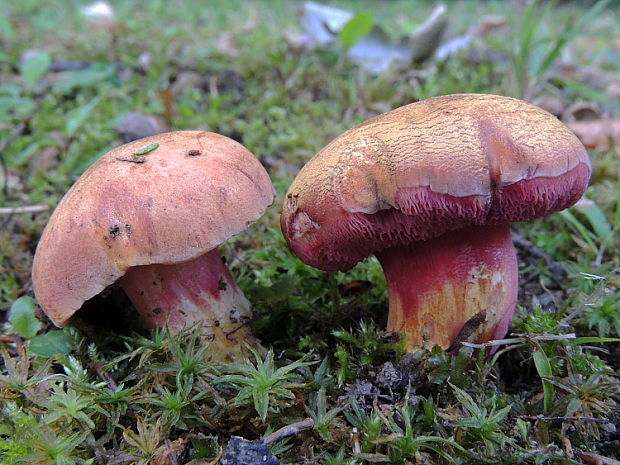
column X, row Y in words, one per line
column 591, row 76
column 376, row 51
column 487, row 25
column 553, row 105
column 599, row 134
column 169, row 452
column 323, row 22
column 425, row 39
column 596, row 459
column 581, row 111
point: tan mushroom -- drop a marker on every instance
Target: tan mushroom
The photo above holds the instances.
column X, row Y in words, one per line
column 150, row 214
column 431, row 189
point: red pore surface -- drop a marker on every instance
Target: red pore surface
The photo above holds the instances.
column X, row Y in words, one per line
column 200, row 290
column 328, row 237
column 463, row 283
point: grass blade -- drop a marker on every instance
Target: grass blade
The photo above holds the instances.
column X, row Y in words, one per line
column 543, row 367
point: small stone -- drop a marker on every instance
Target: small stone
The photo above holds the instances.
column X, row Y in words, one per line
column 135, row 126
column 240, row 451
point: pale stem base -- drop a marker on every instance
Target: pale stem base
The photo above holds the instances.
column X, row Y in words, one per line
column 436, row 286
column 198, row 291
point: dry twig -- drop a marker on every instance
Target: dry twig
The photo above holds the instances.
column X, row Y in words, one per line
column 290, row 430
column 26, row 209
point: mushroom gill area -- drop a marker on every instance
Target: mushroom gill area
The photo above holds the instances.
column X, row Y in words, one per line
column 459, row 286
column 200, row 291
column 330, row 238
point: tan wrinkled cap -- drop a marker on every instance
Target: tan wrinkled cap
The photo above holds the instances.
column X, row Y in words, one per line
column 460, row 145
column 170, row 205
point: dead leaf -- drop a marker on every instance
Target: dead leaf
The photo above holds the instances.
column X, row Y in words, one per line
column 487, row 26
column 184, row 81
column 377, row 50
column 553, row 105
column 169, row 451
column 581, row 111
column 591, row 76
column 599, row 134
column 596, row 459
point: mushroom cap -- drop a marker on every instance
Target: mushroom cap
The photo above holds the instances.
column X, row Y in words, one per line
column 428, row 168
column 186, row 197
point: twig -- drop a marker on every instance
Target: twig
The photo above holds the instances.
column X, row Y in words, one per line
column 546, row 337
column 562, row 419
column 522, row 338
column 132, row 160
column 26, row 209
column 289, row 430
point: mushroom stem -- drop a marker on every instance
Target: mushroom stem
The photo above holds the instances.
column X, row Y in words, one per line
column 459, row 286
column 200, row 290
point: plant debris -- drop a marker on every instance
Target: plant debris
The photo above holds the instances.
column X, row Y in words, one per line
column 146, row 150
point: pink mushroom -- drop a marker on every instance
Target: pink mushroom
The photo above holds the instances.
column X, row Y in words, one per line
column 431, row 189
column 150, row 215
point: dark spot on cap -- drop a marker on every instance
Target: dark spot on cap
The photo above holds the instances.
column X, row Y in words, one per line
column 194, row 153
column 128, row 229
column 157, row 311
column 222, row 285
column 114, row 231
column 216, row 323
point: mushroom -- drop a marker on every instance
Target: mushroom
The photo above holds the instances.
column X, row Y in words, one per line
column 431, row 189
column 150, row 215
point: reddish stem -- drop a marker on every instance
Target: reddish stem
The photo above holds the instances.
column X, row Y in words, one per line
column 200, row 290
column 437, row 286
